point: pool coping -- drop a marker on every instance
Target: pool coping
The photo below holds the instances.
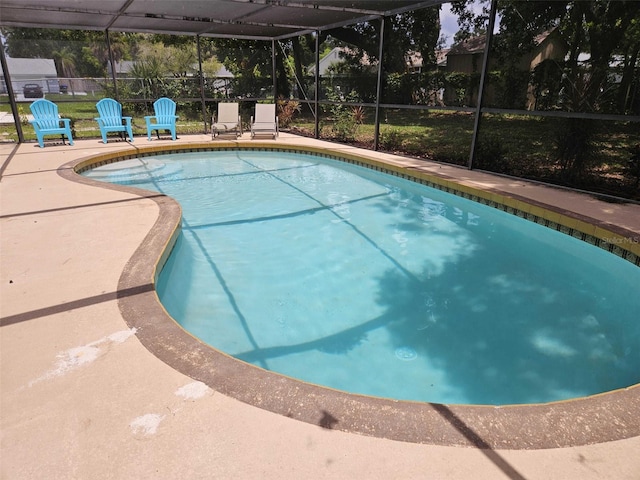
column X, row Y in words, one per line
column 595, row 419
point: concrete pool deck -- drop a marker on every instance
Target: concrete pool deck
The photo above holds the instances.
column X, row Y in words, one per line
column 81, row 396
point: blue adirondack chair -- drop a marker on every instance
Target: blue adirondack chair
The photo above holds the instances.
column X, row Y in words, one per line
column 46, row 121
column 164, row 119
column 111, row 119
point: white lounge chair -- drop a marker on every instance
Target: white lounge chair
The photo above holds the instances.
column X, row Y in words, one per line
column 228, row 120
column 265, row 120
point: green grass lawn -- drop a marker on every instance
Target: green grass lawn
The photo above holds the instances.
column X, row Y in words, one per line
column 83, row 116
column 513, row 144
column 518, row 145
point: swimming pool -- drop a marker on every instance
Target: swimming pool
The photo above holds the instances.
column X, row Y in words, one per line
column 442, row 307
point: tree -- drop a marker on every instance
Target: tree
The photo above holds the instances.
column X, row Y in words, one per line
column 98, row 53
column 471, row 21
column 303, row 54
column 630, row 51
column 87, row 48
column 596, row 29
column 417, row 31
column 66, row 45
column 598, row 34
column 250, row 63
column 65, row 61
column 404, row 34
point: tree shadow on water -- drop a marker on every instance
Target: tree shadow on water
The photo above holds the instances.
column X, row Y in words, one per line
column 503, row 336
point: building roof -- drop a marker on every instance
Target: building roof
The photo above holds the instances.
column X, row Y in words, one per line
column 41, row 67
column 477, row 44
column 336, row 56
column 329, row 59
column 415, row 60
column 251, row 19
column 469, row 46
column 124, row 67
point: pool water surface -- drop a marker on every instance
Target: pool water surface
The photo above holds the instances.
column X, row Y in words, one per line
column 348, row 278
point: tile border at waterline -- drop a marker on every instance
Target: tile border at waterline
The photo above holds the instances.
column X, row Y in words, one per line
column 595, row 419
column 618, row 241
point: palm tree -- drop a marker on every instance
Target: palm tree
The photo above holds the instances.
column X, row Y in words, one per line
column 65, row 61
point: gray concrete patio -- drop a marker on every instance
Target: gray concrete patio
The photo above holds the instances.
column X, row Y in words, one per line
column 82, row 398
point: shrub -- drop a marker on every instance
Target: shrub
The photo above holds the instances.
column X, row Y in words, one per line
column 573, row 147
column 345, row 119
column 490, row 155
column 391, row 139
column 286, row 111
column 24, row 118
column 358, row 114
column 632, row 169
column 344, row 127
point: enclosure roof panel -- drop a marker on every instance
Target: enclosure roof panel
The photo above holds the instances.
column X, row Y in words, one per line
column 265, row 19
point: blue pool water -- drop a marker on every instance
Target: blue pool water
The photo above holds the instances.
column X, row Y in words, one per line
column 363, row 282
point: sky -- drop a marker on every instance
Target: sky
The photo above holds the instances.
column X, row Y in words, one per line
column 449, row 22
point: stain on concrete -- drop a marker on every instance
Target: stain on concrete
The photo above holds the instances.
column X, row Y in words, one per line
column 146, row 424
column 193, row 391
column 77, row 357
